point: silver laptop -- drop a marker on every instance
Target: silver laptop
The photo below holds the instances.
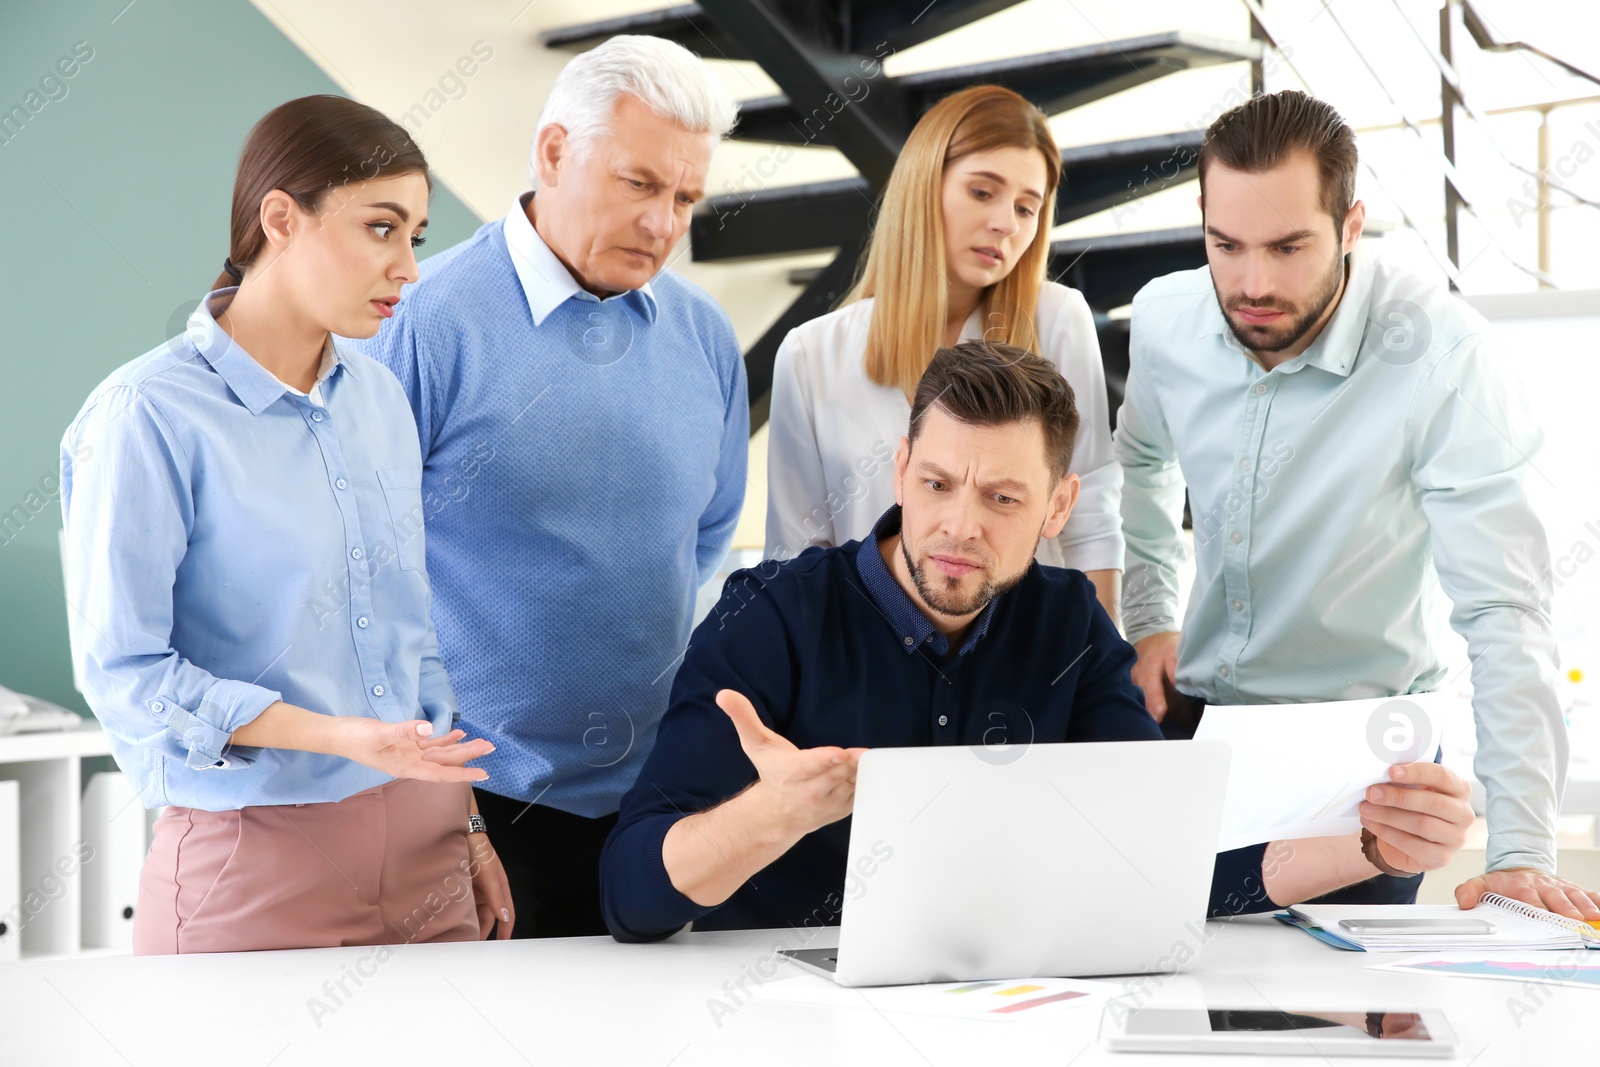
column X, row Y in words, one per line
column 1064, row 860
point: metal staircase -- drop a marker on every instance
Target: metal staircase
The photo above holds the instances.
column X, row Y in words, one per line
column 822, row 54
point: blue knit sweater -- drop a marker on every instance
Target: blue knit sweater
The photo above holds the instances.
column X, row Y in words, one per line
column 584, row 467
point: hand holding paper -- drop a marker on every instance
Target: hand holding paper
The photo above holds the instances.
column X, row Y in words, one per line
column 1303, row 770
column 1422, row 819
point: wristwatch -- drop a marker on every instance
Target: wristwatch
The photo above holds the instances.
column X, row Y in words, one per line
column 1369, row 849
column 476, row 825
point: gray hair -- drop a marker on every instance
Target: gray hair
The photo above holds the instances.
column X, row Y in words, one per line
column 667, row 78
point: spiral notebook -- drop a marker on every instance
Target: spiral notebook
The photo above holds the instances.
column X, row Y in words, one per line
column 1517, row 927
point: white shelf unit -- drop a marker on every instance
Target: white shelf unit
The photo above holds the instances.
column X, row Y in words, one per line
column 47, row 915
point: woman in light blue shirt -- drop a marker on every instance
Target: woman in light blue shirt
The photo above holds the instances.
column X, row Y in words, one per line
column 246, row 580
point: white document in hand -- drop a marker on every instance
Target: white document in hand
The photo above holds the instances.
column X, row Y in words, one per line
column 1301, row 770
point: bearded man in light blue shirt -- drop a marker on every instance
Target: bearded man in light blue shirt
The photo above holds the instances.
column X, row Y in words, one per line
column 1354, row 448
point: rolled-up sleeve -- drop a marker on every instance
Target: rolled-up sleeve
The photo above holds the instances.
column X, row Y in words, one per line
column 1092, row 538
column 128, row 511
column 1152, row 496
column 1474, row 445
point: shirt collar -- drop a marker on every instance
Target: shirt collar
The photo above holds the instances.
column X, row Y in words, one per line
column 908, row 621
column 330, row 360
column 1337, row 346
column 546, row 282
column 256, row 387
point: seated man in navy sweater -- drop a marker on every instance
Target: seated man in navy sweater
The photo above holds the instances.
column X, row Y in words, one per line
column 939, row 629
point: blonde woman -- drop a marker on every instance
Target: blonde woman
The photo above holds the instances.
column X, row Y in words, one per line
column 958, row 253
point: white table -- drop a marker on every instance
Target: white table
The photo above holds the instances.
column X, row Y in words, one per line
column 593, row 1001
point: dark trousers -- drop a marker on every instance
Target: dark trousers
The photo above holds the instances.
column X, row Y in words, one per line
column 552, row 860
column 1181, row 722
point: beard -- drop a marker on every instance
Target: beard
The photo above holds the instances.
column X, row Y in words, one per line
column 1276, row 337
column 943, row 593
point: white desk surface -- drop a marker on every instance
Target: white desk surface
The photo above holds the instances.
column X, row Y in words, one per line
column 592, row 1001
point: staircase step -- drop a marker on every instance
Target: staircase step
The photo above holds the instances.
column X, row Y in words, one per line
column 1070, row 261
column 1110, row 268
column 685, row 24
column 805, row 218
column 851, row 27
column 1054, row 81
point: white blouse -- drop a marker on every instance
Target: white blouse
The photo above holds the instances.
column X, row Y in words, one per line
column 830, row 458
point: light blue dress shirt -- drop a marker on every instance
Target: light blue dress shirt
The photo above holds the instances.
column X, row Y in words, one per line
column 1336, row 499
column 231, row 542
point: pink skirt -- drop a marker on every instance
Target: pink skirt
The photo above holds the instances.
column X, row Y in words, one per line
column 389, row 865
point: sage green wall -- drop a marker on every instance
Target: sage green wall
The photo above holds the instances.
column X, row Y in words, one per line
column 114, row 202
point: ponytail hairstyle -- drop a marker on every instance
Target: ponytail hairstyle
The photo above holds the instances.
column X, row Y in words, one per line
column 309, row 148
column 905, row 266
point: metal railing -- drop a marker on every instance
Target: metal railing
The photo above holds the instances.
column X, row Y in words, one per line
column 1454, row 103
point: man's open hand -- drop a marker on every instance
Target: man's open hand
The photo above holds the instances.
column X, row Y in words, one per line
column 804, row 789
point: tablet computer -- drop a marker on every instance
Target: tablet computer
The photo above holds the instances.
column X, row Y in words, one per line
column 1228, row 1030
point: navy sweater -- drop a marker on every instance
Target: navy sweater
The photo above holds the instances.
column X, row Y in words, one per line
column 831, row 651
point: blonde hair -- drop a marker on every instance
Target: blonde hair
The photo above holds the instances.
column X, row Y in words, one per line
column 904, row 269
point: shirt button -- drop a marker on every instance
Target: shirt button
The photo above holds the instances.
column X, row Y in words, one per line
column 1244, row 464
column 910, row 642
column 342, row 484
column 1223, row 670
column 944, row 720
column 316, row 416
column 362, row 622
column 355, row 553
column 157, row 706
column 1260, row 388
column 377, row 690
column 1238, row 605
column 1235, row 537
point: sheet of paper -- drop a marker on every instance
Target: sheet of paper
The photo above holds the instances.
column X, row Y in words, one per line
column 993, row 1001
column 1301, row 770
column 1575, row 967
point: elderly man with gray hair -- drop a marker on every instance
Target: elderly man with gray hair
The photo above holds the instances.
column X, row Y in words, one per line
column 583, row 420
